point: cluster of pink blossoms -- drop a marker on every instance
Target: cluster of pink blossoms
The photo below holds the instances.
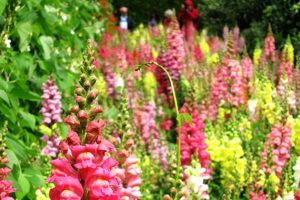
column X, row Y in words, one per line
column 52, row 147
column 193, row 143
column 228, row 84
column 51, row 105
column 166, row 59
column 175, row 43
column 111, row 81
column 247, row 67
column 145, row 122
column 279, row 140
column 285, row 67
column 5, row 186
column 269, row 50
column 88, row 169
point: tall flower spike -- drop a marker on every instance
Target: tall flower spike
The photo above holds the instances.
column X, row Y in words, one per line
column 5, row 186
column 87, row 169
column 269, row 52
column 51, row 105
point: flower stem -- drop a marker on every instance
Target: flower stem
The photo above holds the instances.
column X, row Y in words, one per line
column 138, row 67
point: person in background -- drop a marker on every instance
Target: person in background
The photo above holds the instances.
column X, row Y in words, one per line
column 188, row 19
column 168, row 17
column 125, row 22
column 154, row 19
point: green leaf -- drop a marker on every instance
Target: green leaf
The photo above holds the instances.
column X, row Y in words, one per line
column 3, row 4
column 185, row 117
column 17, row 146
column 47, row 45
column 27, row 120
column 34, row 176
column 23, row 92
column 24, row 31
column 4, row 96
column 24, row 186
column 13, row 160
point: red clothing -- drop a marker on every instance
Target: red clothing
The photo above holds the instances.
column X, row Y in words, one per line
column 188, row 19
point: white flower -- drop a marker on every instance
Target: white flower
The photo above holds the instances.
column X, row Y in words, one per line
column 120, row 83
column 195, row 184
column 28, row 48
column 252, row 106
column 64, row 17
column 7, row 42
column 72, row 32
column 296, row 169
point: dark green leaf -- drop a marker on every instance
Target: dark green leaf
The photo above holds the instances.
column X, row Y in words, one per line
column 3, row 4
column 27, row 120
column 47, row 45
column 4, row 96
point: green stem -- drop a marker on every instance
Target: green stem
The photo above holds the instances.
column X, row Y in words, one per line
column 177, row 116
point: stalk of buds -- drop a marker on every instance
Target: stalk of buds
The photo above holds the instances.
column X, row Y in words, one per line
column 5, row 186
column 128, row 171
column 87, row 169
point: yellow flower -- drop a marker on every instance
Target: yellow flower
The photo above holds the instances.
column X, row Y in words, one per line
column 101, row 86
column 288, row 51
column 274, row 181
column 149, row 84
column 256, row 55
column 45, row 130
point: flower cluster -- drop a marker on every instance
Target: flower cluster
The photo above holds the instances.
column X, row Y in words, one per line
column 195, row 187
column 279, row 142
column 269, row 51
column 51, row 105
column 5, row 186
column 193, row 143
column 52, row 147
column 86, row 171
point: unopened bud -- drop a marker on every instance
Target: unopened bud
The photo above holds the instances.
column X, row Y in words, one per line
column 92, row 95
column 83, row 78
column 96, row 110
column 80, row 100
column 86, row 85
column 173, row 190
column 167, row 197
column 82, row 116
column 74, row 109
column 93, row 80
column 78, row 91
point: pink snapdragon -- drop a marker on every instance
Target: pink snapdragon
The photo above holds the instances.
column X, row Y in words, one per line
column 279, row 140
column 269, row 51
column 52, row 147
column 175, row 43
column 51, row 109
column 193, row 143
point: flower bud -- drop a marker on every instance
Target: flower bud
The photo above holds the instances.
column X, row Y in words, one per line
column 82, row 116
column 93, row 80
column 167, row 197
column 73, row 138
column 123, row 154
column 78, row 91
column 92, row 95
column 129, row 143
column 96, row 110
column 72, row 121
column 74, row 109
column 83, row 78
column 80, row 100
column 86, row 85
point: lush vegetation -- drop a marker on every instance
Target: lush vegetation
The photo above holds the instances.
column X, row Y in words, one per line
column 90, row 112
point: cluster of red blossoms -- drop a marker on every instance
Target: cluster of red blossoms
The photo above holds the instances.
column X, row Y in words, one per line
column 88, row 169
column 5, row 186
column 193, row 142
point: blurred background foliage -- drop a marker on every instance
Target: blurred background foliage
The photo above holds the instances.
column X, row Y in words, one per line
column 38, row 38
column 251, row 16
